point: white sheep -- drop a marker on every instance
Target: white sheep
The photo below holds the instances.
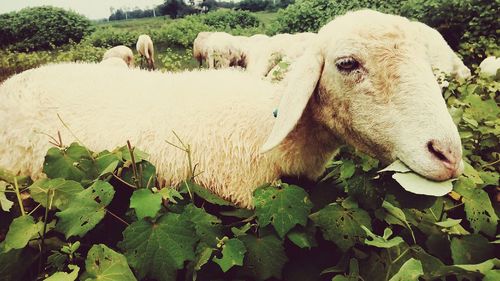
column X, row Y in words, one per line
column 114, row 61
column 145, row 48
column 122, row 52
column 489, row 66
column 366, row 79
column 200, row 46
column 222, row 50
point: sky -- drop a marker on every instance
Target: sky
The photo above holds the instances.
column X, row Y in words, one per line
column 93, row 9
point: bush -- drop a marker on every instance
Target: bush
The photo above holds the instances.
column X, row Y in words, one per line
column 181, row 32
column 472, row 29
column 223, row 19
column 42, row 28
column 110, row 37
column 310, row 15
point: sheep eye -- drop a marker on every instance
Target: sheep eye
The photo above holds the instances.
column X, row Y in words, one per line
column 347, row 64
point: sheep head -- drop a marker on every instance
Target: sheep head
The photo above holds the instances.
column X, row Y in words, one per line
column 368, row 79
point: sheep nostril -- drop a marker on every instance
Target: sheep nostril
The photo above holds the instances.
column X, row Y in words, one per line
column 435, row 150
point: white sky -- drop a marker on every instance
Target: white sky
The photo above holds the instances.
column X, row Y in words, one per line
column 93, row 9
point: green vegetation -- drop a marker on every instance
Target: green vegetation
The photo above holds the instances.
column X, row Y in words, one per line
column 101, row 215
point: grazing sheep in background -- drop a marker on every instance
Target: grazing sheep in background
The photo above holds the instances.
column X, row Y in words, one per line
column 440, row 53
column 122, row 52
column 145, row 48
column 222, row 50
column 489, row 66
column 200, row 47
column 114, row 61
column 366, row 79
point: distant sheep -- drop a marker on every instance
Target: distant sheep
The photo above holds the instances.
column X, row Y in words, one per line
column 200, row 47
column 365, row 79
column 122, row 52
column 146, row 50
column 489, row 66
column 114, row 61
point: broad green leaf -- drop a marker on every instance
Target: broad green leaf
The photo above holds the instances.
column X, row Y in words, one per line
column 478, row 208
column 238, row 213
column 417, row 184
column 381, row 242
column 146, row 173
column 5, row 203
column 233, row 252
column 61, row 192
column 139, row 155
column 106, row 162
column 205, row 194
column 207, row 226
column 396, row 166
column 170, row 194
column 203, row 257
column 64, row 276
column 347, row 169
column 283, row 208
column 492, row 275
column 242, row 230
column 86, row 210
column 302, row 238
column 157, row 250
column 265, row 256
column 342, row 226
column 145, row 203
column 471, row 249
column 366, row 194
column 21, row 231
column 72, row 163
column 103, row 263
column 449, row 223
column 396, row 213
column 483, row 267
column 410, row 271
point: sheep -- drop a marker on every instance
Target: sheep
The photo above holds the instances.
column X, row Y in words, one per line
column 440, row 53
column 489, row 66
column 122, row 52
column 222, row 50
column 200, row 47
column 145, row 48
column 114, row 61
column 365, row 79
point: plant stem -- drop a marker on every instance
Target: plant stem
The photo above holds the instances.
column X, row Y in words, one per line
column 18, row 195
column 117, row 217
column 134, row 167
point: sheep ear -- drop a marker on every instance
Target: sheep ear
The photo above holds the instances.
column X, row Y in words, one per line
column 300, row 84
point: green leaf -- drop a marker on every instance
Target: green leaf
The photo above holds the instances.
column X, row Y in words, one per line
column 64, row 276
column 146, row 173
column 342, row 226
column 170, row 194
column 205, row 194
column 283, row 208
column 396, row 166
column 449, row 223
column 483, row 267
column 5, row 203
column 21, row 231
column 362, row 189
column 381, row 242
column 242, row 230
column 417, row 184
column 72, row 163
column 410, row 271
column 86, row 210
column 493, row 275
column 203, row 257
column 471, row 249
column 139, row 155
column 158, row 250
column 103, row 263
column 259, row 260
column 347, row 169
column 233, row 252
column 207, row 226
column 62, row 192
column 478, row 208
column 145, row 203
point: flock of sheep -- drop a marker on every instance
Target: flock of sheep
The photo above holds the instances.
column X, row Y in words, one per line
column 366, row 78
column 123, row 55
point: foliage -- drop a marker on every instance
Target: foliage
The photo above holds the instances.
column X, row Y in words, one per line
column 222, row 19
column 42, row 28
column 110, row 37
column 176, row 61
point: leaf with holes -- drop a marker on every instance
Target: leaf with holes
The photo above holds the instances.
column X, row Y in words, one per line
column 102, row 263
column 61, row 192
column 258, row 260
column 342, row 226
column 21, row 231
column 86, row 210
column 282, row 207
column 478, row 208
column 208, row 227
column 157, row 250
column 471, row 249
column 71, row 163
column 233, row 252
column 145, row 203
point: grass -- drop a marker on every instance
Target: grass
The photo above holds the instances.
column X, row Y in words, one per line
column 143, row 24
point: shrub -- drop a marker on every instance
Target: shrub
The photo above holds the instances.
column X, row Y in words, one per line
column 42, row 28
column 224, row 18
column 174, row 60
column 310, row 15
column 181, row 32
column 110, row 37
